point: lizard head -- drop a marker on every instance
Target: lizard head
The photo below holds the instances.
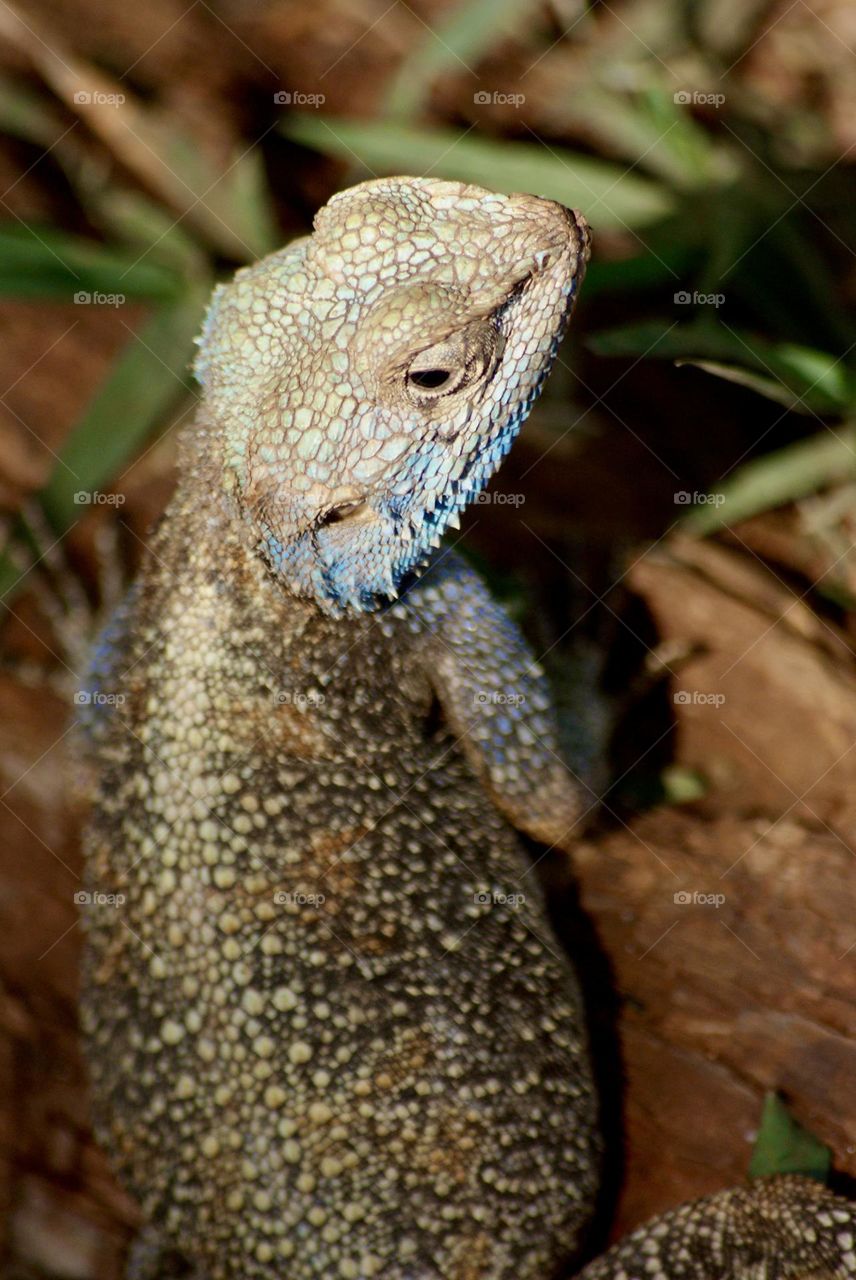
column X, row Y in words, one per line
column 362, row 385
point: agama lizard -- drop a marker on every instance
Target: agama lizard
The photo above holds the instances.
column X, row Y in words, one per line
column 330, row 1030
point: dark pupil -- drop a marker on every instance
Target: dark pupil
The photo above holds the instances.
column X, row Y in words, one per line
column 429, row 378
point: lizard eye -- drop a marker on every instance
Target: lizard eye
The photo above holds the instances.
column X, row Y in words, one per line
column 429, row 379
column 436, row 372
column 458, row 362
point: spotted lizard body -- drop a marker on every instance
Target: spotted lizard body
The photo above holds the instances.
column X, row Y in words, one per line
column 330, row 1029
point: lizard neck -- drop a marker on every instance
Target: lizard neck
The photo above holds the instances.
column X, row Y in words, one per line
column 209, row 505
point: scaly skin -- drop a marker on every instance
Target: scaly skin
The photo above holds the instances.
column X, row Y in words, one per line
column 330, row 1030
column 775, row 1227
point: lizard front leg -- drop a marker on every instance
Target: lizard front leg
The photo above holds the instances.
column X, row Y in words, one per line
column 496, row 700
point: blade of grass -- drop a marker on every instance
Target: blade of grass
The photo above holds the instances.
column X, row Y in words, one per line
column 607, row 194
column 24, row 114
column 653, row 130
column 822, row 382
column 150, row 230
column 454, row 45
column 149, row 375
column 785, row 476
column 226, row 202
column 767, row 387
column 43, row 262
column 145, row 381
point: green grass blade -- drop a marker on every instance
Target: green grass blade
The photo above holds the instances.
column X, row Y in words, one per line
column 785, row 476
column 25, row 114
column 821, row 381
column 136, row 222
column 455, row 45
column 652, row 130
column 146, row 380
column 770, row 388
column 233, row 210
column 606, row 193
column 149, row 375
column 228, row 205
column 42, row 262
